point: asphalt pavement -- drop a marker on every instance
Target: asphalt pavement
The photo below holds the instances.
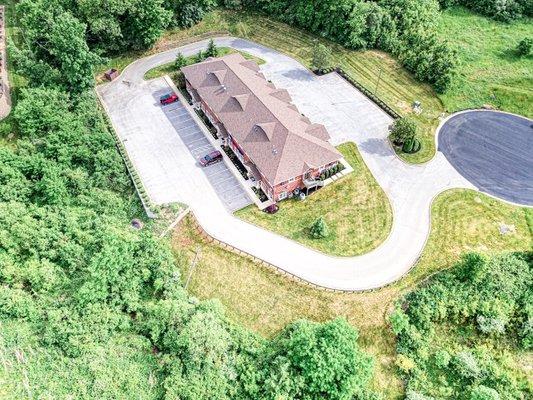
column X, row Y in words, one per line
column 493, row 150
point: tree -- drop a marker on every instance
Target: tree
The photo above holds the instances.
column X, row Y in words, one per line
column 200, row 56
column 402, row 129
column 187, row 13
column 146, row 22
column 212, row 50
column 524, row 47
column 308, row 360
column 203, row 346
column 321, row 57
column 319, row 229
column 180, row 61
column 54, row 50
column 484, row 393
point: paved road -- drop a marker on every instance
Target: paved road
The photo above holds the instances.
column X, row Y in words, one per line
column 340, row 107
column 493, row 150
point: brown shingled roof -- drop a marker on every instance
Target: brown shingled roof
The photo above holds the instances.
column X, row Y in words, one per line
column 261, row 118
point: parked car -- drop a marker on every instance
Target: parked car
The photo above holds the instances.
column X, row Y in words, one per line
column 168, row 98
column 271, row 209
column 211, row 158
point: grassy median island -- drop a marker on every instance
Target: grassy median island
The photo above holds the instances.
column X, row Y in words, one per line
column 170, row 68
column 355, row 209
column 490, row 70
column 255, row 296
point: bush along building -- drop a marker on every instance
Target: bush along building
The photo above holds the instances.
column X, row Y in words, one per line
column 283, row 152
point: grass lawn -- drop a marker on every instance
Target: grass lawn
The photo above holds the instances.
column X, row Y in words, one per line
column 355, row 209
column 258, row 298
column 169, row 68
column 490, row 71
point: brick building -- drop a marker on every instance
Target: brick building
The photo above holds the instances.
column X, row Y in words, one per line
column 280, row 147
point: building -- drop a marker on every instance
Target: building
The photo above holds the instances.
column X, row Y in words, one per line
column 280, row 147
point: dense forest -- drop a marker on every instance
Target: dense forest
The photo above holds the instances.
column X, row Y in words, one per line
column 92, row 308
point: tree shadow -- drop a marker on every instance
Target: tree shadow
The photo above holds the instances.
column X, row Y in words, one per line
column 378, row 147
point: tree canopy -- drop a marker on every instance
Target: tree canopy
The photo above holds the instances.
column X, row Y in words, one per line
column 456, row 333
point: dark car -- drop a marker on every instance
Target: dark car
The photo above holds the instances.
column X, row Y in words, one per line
column 271, row 209
column 168, row 98
column 211, row 158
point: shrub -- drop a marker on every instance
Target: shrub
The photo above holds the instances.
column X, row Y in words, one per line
column 200, row 56
column 212, row 49
column 402, row 129
column 416, row 145
column 404, row 363
column 467, row 365
column 442, row 358
column 321, row 57
column 408, row 146
column 319, row 229
column 490, row 325
column 180, row 61
column 411, row 145
column 412, row 395
column 524, row 47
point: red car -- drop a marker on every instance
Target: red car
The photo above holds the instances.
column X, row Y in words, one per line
column 168, row 98
column 211, row 158
column 271, row 209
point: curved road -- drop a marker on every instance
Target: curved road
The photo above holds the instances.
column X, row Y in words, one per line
column 410, row 188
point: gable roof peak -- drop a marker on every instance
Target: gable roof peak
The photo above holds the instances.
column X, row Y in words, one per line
column 242, row 99
column 220, row 75
column 267, row 128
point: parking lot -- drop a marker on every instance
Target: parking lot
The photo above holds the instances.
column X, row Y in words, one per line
column 226, row 185
column 164, row 144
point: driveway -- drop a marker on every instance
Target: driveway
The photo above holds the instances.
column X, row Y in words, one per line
column 493, row 150
column 164, row 144
column 349, row 117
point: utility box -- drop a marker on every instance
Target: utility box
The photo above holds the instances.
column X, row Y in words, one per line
column 111, row 74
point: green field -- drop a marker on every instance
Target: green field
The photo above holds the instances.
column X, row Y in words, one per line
column 355, row 209
column 490, row 72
